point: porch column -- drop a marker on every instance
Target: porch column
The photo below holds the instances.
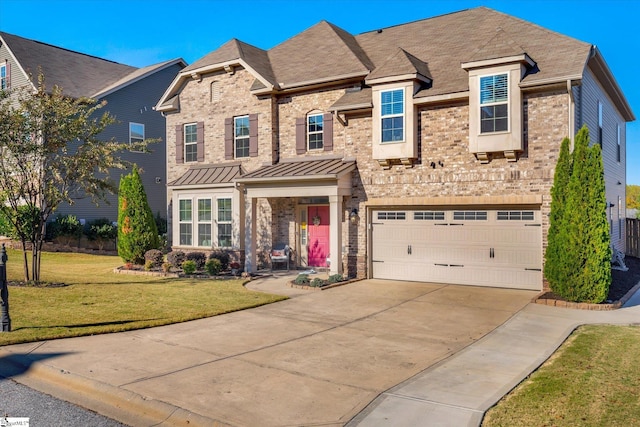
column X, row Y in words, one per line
column 250, row 260
column 335, row 234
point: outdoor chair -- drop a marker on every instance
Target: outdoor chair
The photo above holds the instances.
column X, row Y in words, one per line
column 280, row 253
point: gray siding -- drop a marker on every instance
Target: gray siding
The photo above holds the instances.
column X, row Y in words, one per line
column 134, row 103
column 615, row 171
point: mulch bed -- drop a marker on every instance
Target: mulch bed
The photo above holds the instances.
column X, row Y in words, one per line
column 621, row 283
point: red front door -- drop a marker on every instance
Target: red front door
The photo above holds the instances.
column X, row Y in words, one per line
column 318, row 235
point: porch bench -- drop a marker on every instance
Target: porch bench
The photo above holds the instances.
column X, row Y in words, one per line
column 280, row 254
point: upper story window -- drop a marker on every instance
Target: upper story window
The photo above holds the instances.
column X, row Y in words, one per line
column 392, row 115
column 600, row 120
column 3, row 77
column 241, row 136
column 190, row 143
column 494, row 103
column 315, row 125
column 619, row 141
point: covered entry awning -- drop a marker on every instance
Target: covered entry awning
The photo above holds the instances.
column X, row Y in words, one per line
column 300, row 178
column 208, row 175
column 308, row 177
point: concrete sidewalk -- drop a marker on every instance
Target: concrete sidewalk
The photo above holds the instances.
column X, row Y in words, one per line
column 370, row 353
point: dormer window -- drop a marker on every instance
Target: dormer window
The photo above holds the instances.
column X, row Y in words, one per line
column 494, row 103
column 392, row 115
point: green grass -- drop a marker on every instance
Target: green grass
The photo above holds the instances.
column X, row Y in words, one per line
column 592, row 380
column 98, row 301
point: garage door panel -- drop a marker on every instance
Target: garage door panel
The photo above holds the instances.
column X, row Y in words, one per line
column 478, row 249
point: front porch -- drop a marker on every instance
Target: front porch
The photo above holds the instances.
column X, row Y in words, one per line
column 310, row 205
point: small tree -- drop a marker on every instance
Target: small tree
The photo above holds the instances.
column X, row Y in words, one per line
column 52, row 153
column 555, row 266
column 137, row 231
column 578, row 268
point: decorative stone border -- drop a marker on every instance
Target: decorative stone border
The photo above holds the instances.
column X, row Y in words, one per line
column 322, row 288
column 583, row 305
column 122, row 270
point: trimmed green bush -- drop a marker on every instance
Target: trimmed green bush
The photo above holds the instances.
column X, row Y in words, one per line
column 221, row 256
column 101, row 231
column 335, row 278
column 213, row 266
column 66, row 228
column 302, row 279
column 189, row 267
column 137, row 231
column 318, row 282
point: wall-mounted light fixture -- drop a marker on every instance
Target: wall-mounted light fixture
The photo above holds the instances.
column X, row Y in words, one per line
column 353, row 216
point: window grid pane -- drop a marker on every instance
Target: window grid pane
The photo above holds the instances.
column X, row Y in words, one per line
column 3, row 77
column 185, row 234
column 494, row 108
column 470, row 215
column 392, row 215
column 190, row 143
column 204, row 209
column 428, row 216
column 204, row 235
column 315, row 126
column 241, row 136
column 392, row 115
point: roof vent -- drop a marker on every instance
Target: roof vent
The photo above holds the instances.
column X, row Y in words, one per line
column 379, row 31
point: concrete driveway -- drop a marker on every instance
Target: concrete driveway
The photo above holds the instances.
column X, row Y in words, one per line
column 316, row 359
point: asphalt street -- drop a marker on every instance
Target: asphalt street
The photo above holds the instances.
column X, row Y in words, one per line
column 18, row 401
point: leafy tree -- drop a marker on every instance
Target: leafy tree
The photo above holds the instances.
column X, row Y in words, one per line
column 555, row 267
column 582, row 270
column 633, row 196
column 51, row 154
column 137, row 231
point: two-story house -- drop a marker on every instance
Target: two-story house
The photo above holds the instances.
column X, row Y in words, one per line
column 424, row 151
column 130, row 93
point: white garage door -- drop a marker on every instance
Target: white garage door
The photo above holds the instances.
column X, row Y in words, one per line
column 501, row 248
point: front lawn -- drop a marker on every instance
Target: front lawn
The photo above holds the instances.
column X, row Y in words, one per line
column 592, row 380
column 85, row 297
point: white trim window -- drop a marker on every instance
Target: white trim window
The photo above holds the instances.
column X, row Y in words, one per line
column 241, row 136
column 191, row 142
column 619, row 146
column 392, row 115
column 3, row 77
column 185, row 222
column 204, row 223
column 136, row 133
column 494, row 103
column 225, row 216
column 315, row 130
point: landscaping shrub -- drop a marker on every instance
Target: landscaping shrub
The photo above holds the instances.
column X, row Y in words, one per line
column 155, row 257
column 176, row 258
column 189, row 267
column 335, row 278
column 101, row 231
column 302, row 279
column 198, row 257
column 66, row 228
column 137, row 231
column 213, row 266
column 318, row 282
column 221, row 256
column 166, row 267
column 148, row 265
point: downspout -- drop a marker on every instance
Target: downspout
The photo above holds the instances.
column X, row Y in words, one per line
column 572, row 112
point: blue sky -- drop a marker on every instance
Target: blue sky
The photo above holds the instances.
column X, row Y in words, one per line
column 143, row 32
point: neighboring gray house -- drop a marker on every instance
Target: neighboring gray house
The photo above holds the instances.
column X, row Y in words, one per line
column 130, row 93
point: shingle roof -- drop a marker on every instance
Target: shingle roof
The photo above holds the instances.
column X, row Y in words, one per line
column 401, row 63
column 332, row 168
column 78, row 74
column 208, row 175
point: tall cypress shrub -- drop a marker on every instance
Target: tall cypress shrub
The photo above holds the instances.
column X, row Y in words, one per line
column 555, row 265
column 584, row 265
column 137, row 231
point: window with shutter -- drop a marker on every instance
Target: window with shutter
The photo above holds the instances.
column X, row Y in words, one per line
column 315, row 130
column 494, row 103
column 241, row 136
column 190, row 142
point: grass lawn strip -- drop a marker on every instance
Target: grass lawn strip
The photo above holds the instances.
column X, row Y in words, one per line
column 97, row 301
column 592, row 380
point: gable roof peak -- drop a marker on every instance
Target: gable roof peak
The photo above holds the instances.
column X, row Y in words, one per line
column 499, row 45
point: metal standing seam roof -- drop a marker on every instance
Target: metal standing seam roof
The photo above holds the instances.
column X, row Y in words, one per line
column 301, row 170
column 208, row 175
